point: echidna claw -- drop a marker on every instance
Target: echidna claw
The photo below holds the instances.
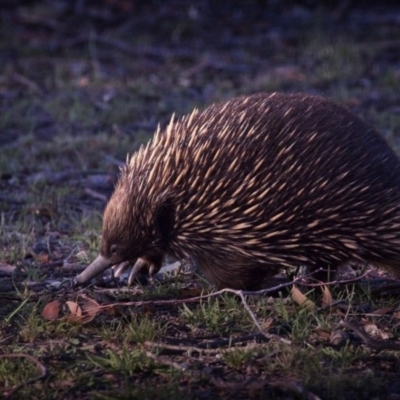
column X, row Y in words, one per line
column 139, row 265
column 120, row 268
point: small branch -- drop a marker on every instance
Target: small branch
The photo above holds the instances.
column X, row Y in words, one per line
column 337, row 282
column 165, row 362
column 369, row 341
column 142, row 51
column 240, row 293
column 24, row 81
column 255, row 320
column 209, row 348
column 96, row 195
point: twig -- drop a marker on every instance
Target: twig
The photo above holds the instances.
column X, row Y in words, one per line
column 337, row 282
column 239, row 293
column 165, row 362
column 52, row 264
column 160, row 53
column 23, row 80
column 96, row 195
column 368, row 340
column 149, row 51
column 395, row 287
column 9, row 392
column 73, row 267
column 209, row 348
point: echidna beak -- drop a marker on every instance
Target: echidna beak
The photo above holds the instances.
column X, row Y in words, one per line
column 99, row 265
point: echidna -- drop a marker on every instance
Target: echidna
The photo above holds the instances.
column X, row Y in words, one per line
column 255, row 184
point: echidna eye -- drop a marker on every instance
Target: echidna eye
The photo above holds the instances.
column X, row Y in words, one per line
column 113, row 249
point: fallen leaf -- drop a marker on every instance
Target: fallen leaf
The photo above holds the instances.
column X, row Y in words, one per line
column 43, row 258
column 267, row 323
column 339, row 338
column 85, row 311
column 74, row 308
column 90, row 309
column 76, row 312
column 322, row 333
column 51, row 310
column 375, row 332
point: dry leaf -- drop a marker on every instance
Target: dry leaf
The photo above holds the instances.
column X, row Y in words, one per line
column 322, row 333
column 76, row 312
column 85, row 312
column 267, row 323
column 339, row 338
column 299, row 298
column 90, row 309
column 51, row 310
column 327, row 299
column 375, row 332
column 74, row 308
column 43, row 258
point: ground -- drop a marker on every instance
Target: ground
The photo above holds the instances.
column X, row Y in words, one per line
column 83, row 83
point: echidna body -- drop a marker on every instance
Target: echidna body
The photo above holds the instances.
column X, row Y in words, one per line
column 255, row 184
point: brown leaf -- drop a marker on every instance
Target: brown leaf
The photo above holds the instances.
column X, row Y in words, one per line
column 76, row 312
column 322, row 333
column 299, row 298
column 267, row 323
column 51, row 310
column 43, row 258
column 90, row 309
column 85, row 312
column 339, row 338
column 375, row 332
column 74, row 308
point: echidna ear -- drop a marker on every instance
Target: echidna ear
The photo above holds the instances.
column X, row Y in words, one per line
column 164, row 219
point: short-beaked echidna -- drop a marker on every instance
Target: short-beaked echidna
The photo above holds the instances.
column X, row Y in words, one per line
column 260, row 182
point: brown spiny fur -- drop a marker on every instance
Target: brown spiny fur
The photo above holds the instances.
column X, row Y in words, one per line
column 259, row 183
